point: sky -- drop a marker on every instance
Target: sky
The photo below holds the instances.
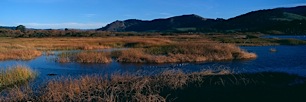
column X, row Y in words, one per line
column 92, row 14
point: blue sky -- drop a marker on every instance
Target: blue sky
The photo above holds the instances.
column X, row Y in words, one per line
column 89, row 14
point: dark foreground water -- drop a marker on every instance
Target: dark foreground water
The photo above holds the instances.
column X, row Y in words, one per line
column 288, row 59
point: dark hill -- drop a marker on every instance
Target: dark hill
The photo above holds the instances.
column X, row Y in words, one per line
column 167, row 24
column 282, row 20
column 286, row 20
column 300, row 10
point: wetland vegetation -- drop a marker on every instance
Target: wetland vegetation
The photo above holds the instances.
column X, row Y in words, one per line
column 171, row 85
column 168, row 85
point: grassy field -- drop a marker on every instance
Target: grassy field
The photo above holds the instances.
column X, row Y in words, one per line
column 15, row 75
column 19, row 54
column 79, row 43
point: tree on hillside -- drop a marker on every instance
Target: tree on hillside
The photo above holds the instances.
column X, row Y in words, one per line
column 21, row 28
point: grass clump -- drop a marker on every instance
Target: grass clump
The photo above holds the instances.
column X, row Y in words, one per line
column 15, row 75
column 93, row 57
column 183, row 53
column 65, row 57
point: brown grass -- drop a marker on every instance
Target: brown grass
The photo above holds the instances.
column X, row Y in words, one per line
column 183, row 53
column 28, row 48
column 93, row 57
column 115, row 88
column 81, row 43
column 152, row 49
column 19, row 54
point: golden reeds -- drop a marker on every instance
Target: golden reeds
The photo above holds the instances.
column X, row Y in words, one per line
column 93, row 57
column 19, row 54
column 80, row 43
column 188, row 52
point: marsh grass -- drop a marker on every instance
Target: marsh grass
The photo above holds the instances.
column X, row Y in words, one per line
column 15, row 75
column 29, row 48
column 116, row 87
column 79, row 43
column 19, row 54
column 182, row 52
column 65, row 57
column 172, row 85
column 93, row 57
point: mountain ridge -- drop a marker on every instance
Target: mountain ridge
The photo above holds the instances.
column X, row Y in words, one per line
column 189, row 20
column 286, row 20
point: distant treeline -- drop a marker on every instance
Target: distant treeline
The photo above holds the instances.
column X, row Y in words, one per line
column 30, row 33
column 20, row 31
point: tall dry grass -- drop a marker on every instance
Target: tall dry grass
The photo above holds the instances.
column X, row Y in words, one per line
column 182, row 52
column 15, row 75
column 19, row 54
column 80, row 43
column 116, row 87
column 28, row 48
column 93, row 57
column 65, row 57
